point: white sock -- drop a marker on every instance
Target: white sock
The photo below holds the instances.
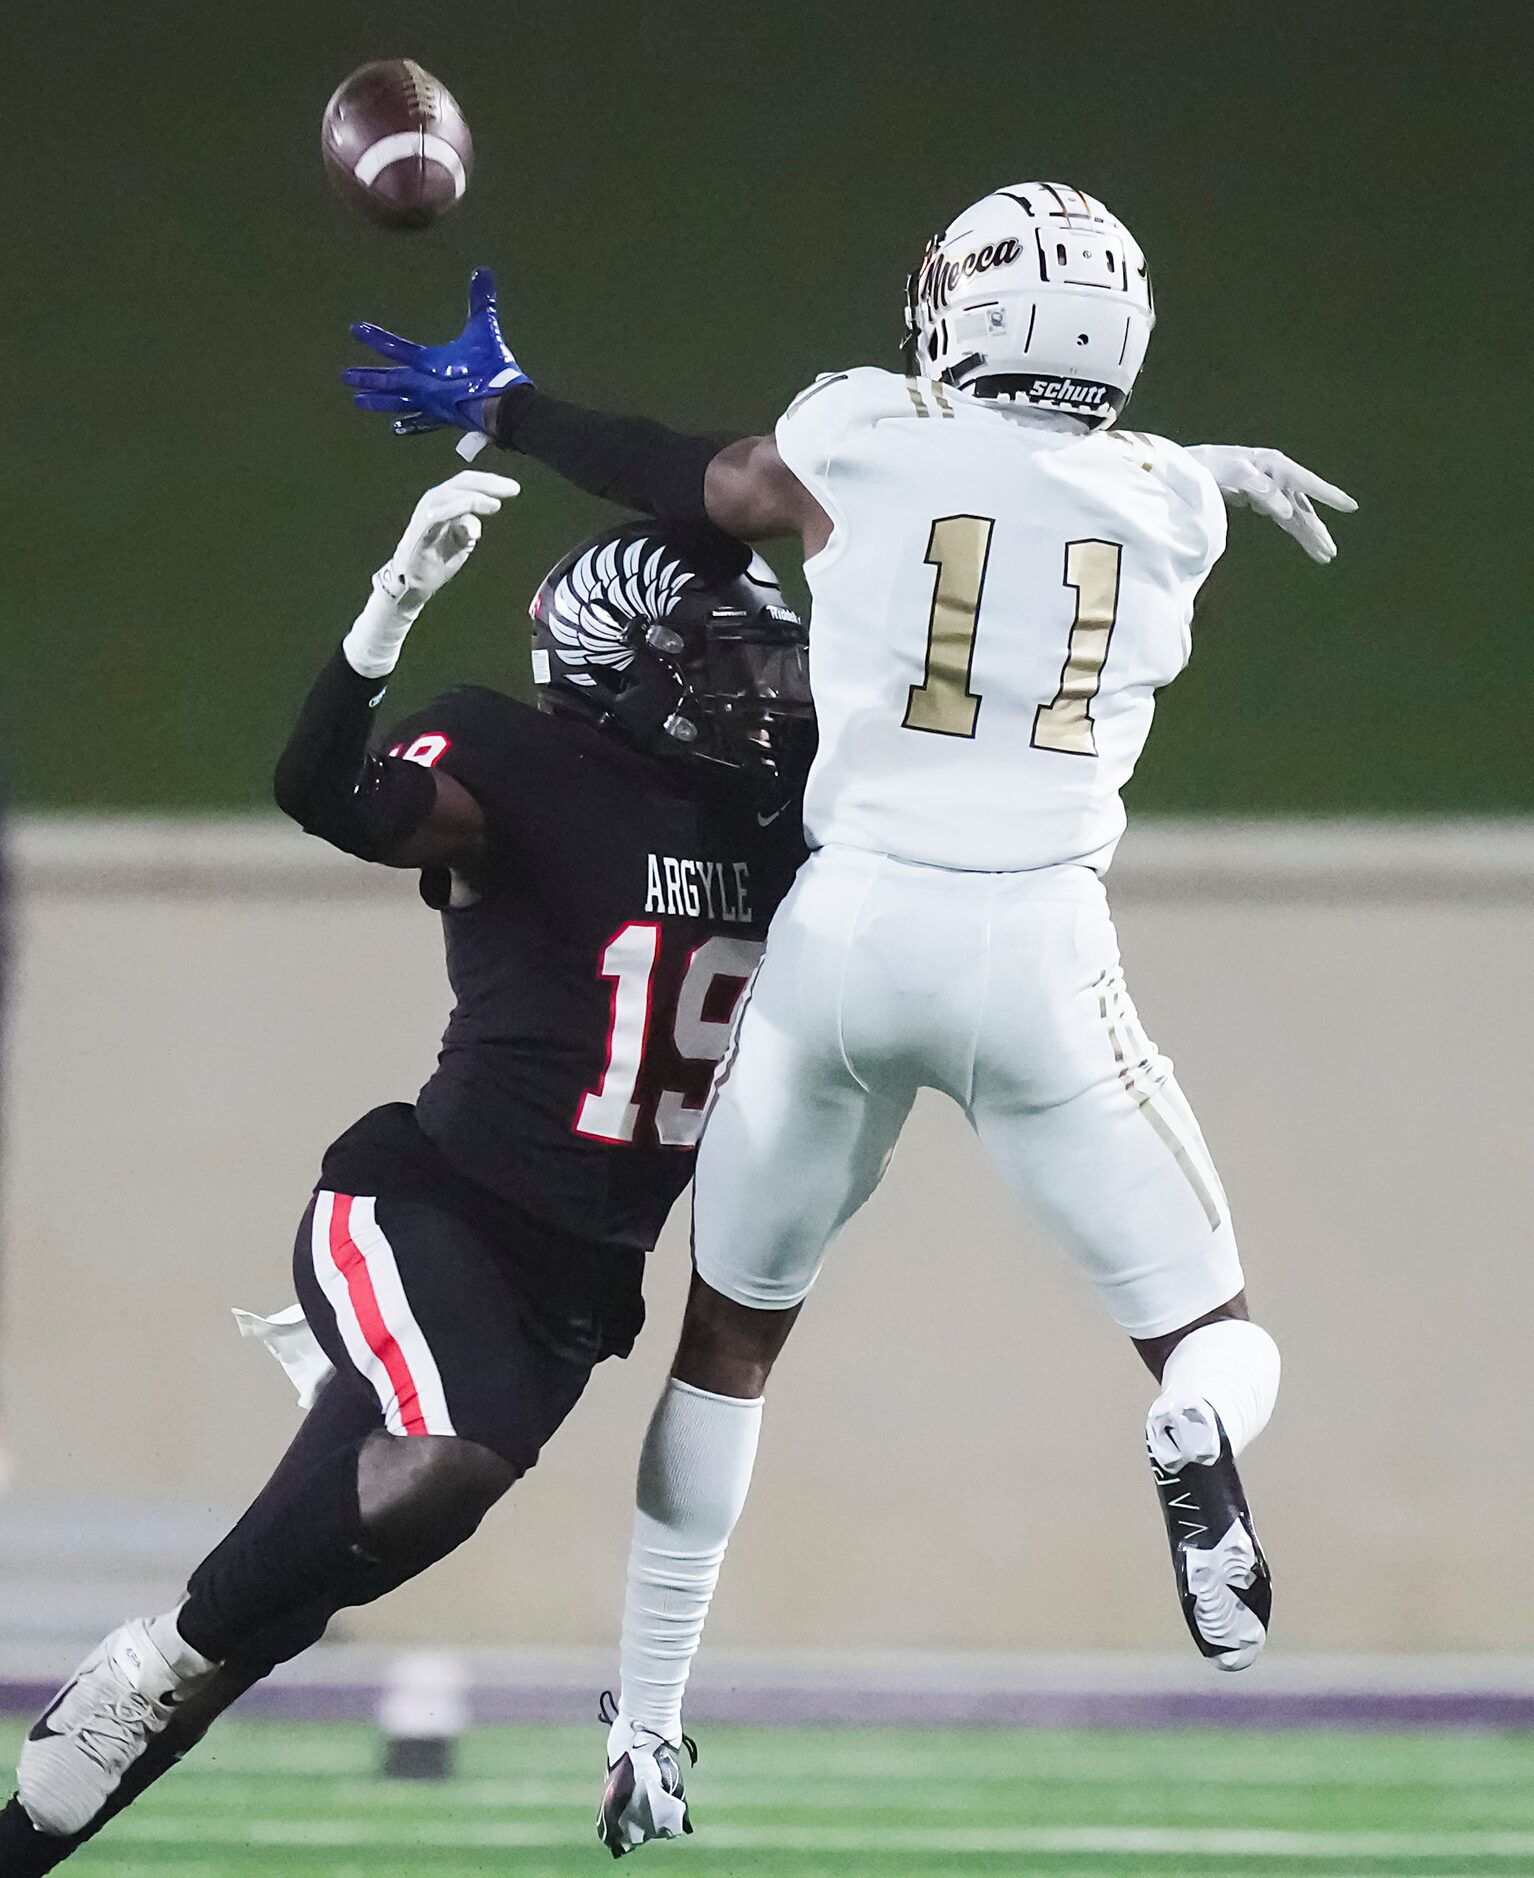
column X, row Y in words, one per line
column 183, row 1662
column 694, row 1475
column 1230, row 1366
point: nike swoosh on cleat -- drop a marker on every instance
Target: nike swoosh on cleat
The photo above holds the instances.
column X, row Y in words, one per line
column 40, row 1731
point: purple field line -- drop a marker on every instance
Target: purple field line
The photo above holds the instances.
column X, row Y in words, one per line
column 937, row 1708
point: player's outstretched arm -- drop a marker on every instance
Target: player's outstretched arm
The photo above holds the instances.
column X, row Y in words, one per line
column 751, row 492
column 743, row 487
column 1278, row 487
column 475, row 384
column 384, row 808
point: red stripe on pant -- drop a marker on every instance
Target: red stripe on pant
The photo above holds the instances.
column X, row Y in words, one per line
column 380, row 1339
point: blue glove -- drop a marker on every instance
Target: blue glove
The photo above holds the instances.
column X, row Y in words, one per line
column 439, row 387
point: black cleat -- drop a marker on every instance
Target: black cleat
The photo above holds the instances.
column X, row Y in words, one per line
column 1223, row 1579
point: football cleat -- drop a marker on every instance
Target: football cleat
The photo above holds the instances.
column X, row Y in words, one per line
column 643, row 1799
column 101, row 1721
column 1223, row 1579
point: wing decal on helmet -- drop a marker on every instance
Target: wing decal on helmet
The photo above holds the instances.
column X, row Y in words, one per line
column 600, row 598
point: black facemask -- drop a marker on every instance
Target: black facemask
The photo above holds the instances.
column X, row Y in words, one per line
column 752, row 682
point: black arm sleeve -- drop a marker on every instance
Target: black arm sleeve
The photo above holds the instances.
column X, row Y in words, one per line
column 333, row 786
column 630, row 460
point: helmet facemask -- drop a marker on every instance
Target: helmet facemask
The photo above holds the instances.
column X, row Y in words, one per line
column 752, row 685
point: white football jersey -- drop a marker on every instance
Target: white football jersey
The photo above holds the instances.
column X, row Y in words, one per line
column 996, row 608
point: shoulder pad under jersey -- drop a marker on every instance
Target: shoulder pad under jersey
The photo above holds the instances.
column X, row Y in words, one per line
column 837, row 404
column 472, row 732
column 1196, row 507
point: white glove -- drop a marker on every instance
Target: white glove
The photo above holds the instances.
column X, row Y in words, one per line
column 441, row 535
column 1278, row 487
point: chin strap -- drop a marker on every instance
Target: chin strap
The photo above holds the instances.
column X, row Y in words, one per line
column 650, row 713
column 642, row 715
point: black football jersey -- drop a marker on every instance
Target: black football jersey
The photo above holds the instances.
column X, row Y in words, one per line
column 597, row 958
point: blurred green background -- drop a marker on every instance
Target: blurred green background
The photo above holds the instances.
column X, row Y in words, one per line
column 693, row 209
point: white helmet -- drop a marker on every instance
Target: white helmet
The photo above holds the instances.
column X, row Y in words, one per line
column 1041, row 292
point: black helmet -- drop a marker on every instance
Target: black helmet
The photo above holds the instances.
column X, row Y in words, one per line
column 676, row 636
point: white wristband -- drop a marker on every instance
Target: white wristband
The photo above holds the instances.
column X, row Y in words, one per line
column 372, row 646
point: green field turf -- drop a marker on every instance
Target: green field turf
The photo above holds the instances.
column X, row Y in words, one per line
column 264, row 1798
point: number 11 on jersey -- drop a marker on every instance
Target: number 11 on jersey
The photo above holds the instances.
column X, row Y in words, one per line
column 959, row 546
column 1065, row 723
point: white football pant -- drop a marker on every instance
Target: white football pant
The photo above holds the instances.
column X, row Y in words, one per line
column 1004, row 991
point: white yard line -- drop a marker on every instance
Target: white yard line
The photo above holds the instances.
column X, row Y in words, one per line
column 155, row 1868
column 488, row 1789
column 1109, row 1841
column 1281, row 1761
column 363, row 1788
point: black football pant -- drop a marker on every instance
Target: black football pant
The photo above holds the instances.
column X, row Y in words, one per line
column 301, row 1552
column 415, row 1309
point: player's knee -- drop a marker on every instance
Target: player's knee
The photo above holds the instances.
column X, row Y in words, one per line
column 729, row 1348
column 420, row 1496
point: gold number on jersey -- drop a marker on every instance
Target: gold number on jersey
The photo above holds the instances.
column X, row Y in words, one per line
column 1065, row 723
column 958, row 548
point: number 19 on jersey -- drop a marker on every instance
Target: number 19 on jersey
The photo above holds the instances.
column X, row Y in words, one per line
column 707, row 1004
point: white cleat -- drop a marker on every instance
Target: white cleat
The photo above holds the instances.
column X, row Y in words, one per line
column 643, row 1799
column 1230, row 1632
column 1183, row 1433
column 101, row 1721
column 1223, row 1581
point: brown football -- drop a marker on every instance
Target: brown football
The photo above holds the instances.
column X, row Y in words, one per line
column 396, row 144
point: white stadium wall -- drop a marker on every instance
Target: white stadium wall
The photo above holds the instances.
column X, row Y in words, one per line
column 951, row 1456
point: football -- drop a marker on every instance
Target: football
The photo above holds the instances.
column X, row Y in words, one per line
column 396, row 144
